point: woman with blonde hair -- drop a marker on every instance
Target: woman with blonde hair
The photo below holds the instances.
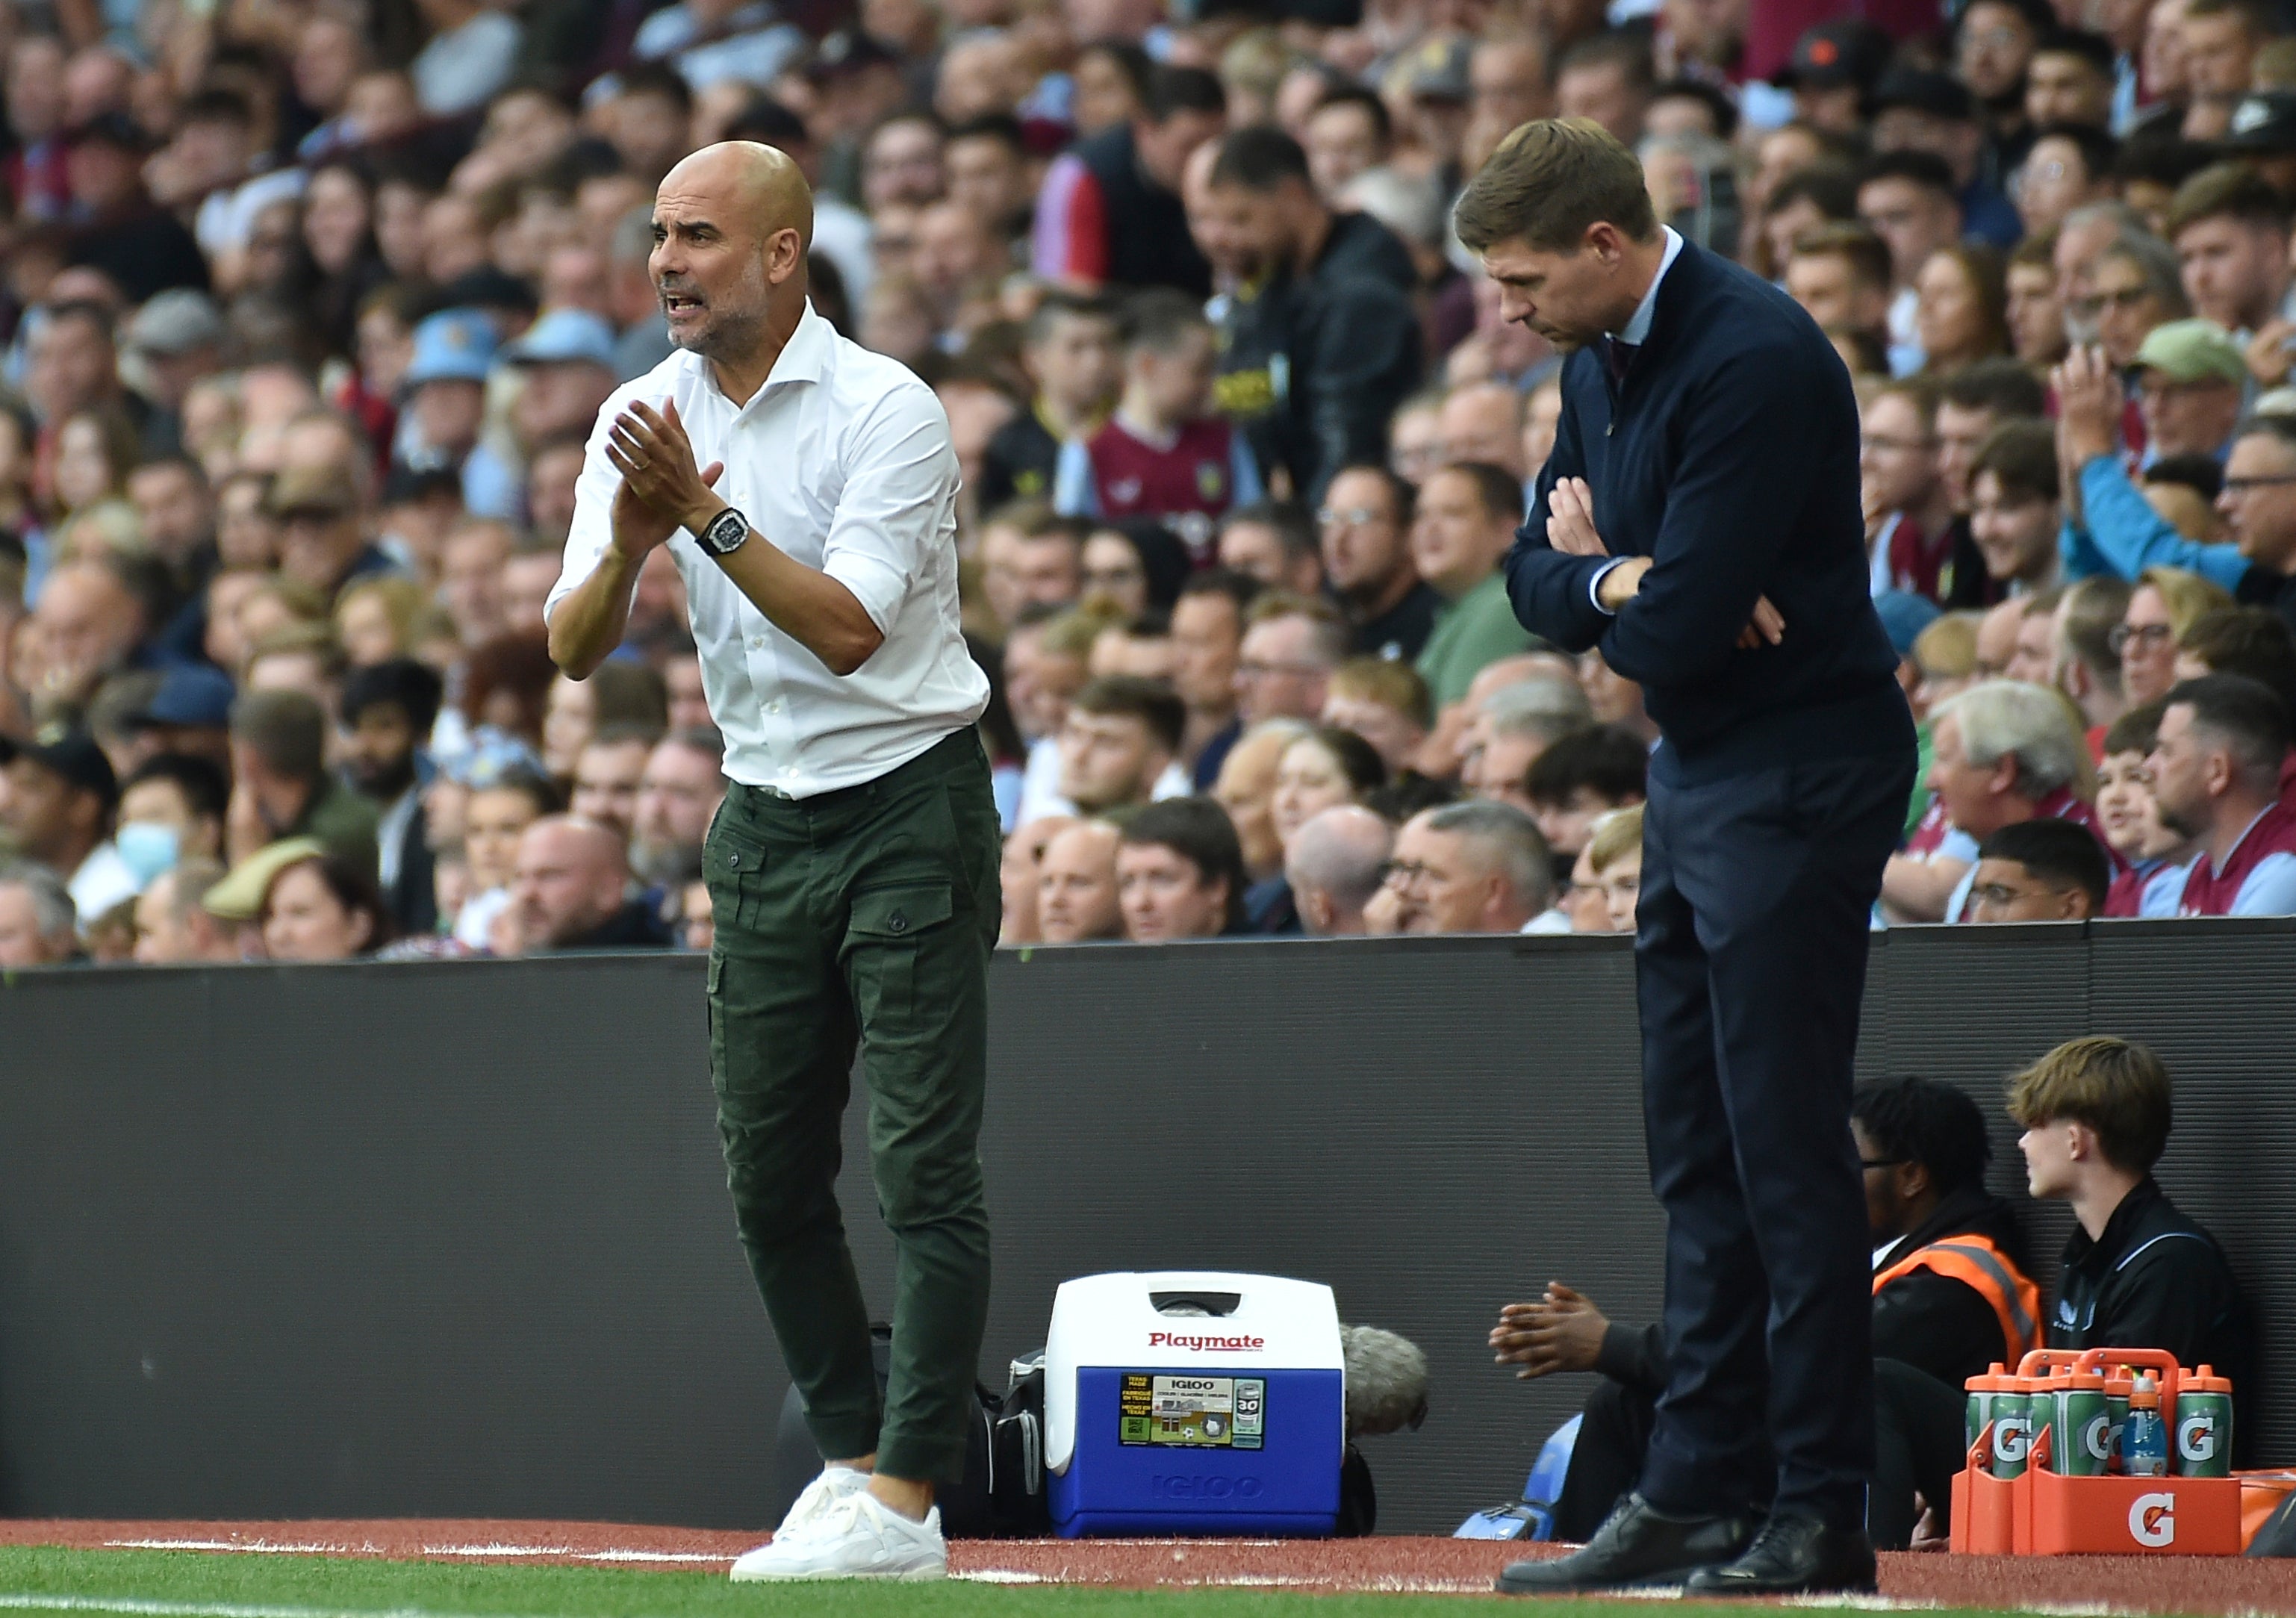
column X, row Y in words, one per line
column 2168, row 602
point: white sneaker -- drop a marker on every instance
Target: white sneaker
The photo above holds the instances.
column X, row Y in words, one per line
column 833, row 1485
column 857, row 1536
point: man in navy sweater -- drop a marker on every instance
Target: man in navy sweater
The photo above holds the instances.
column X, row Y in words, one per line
column 1698, row 522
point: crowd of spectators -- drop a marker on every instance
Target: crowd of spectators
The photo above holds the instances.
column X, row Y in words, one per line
column 309, row 306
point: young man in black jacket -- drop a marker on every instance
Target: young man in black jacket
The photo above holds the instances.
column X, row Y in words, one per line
column 1699, row 520
column 1950, row 1297
column 2137, row 1272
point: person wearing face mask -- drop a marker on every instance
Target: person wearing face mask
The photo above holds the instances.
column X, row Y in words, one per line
column 170, row 810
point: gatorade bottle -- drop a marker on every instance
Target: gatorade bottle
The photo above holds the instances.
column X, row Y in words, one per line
column 2204, row 1425
column 2080, row 1440
column 2013, row 1405
column 2144, row 1440
column 1983, row 1392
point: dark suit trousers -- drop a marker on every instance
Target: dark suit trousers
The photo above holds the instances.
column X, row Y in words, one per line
column 1749, row 958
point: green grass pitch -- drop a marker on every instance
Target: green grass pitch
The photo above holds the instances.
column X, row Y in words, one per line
column 193, row 1584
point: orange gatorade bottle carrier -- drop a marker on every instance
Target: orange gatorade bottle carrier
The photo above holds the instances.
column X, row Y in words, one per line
column 2061, row 1501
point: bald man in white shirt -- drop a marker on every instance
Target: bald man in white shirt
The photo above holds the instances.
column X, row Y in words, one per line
column 807, row 490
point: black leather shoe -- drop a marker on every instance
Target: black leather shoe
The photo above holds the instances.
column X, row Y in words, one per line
column 1793, row 1555
column 1636, row 1545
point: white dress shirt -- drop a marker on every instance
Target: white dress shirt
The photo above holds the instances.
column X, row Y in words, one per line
column 842, row 460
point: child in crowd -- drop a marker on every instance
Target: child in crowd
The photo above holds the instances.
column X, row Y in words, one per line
column 2130, row 821
column 1163, row 454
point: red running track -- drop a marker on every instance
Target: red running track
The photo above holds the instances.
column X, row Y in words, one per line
column 2124, row 1584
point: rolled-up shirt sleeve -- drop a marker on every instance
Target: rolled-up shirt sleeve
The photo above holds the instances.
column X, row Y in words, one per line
column 902, row 471
column 593, row 529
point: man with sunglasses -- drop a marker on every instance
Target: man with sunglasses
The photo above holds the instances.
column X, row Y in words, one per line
column 2117, row 532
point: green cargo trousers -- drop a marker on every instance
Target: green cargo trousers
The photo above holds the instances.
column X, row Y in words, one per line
column 862, row 917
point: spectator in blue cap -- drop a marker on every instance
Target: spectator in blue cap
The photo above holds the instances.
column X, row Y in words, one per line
column 566, row 366
column 189, row 713
column 444, row 389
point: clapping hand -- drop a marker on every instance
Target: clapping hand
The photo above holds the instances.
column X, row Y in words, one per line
column 1561, row 1332
column 2089, row 407
column 662, row 490
column 1570, row 529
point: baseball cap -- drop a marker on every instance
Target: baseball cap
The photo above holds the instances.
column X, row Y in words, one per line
column 454, row 345
column 176, row 322
column 1904, row 616
column 239, row 896
column 1846, row 51
column 326, row 490
column 1438, row 70
column 71, row 754
column 189, row 693
column 564, row 336
column 1919, row 90
column 2265, row 121
column 2190, row 351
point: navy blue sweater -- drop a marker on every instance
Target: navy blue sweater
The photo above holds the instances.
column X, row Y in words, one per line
column 1730, row 457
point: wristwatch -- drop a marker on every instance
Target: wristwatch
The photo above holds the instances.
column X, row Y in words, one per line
column 724, row 533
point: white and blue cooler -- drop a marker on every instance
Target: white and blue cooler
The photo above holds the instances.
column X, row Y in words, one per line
column 1195, row 1402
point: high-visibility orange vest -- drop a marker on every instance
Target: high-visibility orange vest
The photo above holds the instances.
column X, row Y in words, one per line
column 1976, row 1262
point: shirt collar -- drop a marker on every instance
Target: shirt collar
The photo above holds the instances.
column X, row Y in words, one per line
column 803, row 358
column 1637, row 330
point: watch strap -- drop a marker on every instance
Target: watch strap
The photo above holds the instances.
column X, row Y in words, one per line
column 723, row 532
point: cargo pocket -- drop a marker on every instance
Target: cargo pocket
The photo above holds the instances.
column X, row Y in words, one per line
column 889, row 926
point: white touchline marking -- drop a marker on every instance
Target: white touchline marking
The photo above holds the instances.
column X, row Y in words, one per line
column 560, row 1552
column 1002, row 1575
column 259, row 1547
column 32, row 1601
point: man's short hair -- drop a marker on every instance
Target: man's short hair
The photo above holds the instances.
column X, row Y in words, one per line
column 1199, row 830
column 1511, row 841
column 2136, row 731
column 1132, row 696
column 2009, row 719
column 2227, row 191
column 1347, row 867
column 2004, row 386
column 1865, row 253
column 1830, row 185
column 1059, row 306
column 2023, row 456
column 1175, row 90
column 1608, row 761
column 415, row 686
column 1630, row 53
column 1161, row 319
column 2156, row 262
column 2243, row 715
column 2062, row 853
column 2097, row 149
column 1383, row 124
column 206, row 789
column 1389, row 681
column 2253, row 641
column 1547, row 706
column 1331, row 635
column 2161, row 161
column 54, row 914
column 1925, row 169
column 2116, row 1087
column 286, row 729
column 2091, row 47
column 1294, row 524
column 2253, row 15
column 2093, row 609
column 1919, row 391
column 1498, row 490
column 1002, row 127
column 1549, row 183
column 2203, row 474
column 1259, row 159
column 1925, row 1122
column 657, row 78
column 1241, row 588
column 194, row 874
column 1402, row 496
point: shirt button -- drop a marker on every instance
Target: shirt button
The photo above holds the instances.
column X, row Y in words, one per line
column 757, row 643
column 775, row 706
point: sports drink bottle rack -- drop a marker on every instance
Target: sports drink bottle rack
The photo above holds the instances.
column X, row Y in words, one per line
column 2052, row 1426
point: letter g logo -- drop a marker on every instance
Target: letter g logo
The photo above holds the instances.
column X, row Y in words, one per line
column 2153, row 1520
column 2196, row 1438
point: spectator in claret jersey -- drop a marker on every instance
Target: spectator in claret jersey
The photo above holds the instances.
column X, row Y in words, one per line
column 2216, row 765
column 2129, row 820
